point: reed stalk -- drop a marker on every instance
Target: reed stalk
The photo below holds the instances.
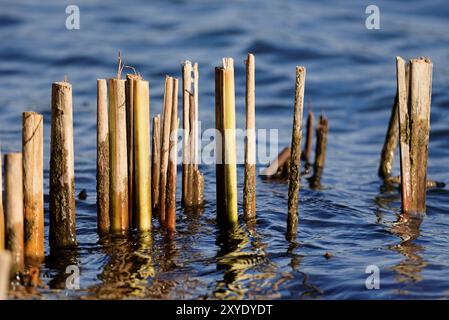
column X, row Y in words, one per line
column 309, row 136
column 156, row 160
column 62, row 175
column 33, row 186
column 165, row 145
column 14, row 209
column 249, row 186
column 172, row 162
column 118, row 185
column 142, row 158
column 219, row 144
column 5, row 267
column 294, row 179
column 230, row 157
column 2, row 216
column 103, row 222
column 186, row 159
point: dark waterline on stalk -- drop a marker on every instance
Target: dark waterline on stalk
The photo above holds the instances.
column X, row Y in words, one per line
column 350, row 77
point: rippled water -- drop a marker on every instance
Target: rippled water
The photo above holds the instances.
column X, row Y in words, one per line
column 350, row 78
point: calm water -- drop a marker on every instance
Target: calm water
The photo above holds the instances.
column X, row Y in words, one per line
column 350, row 78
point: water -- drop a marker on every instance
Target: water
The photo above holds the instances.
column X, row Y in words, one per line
column 350, row 78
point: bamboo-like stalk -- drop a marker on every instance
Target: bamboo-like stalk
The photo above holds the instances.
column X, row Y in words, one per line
column 142, row 158
column 230, row 157
column 309, row 136
column 14, row 209
column 2, row 216
column 195, row 108
column 62, row 174
column 191, row 167
column 219, row 144
column 420, row 100
column 165, row 145
column 103, row 223
column 5, row 266
column 156, row 160
column 294, row 180
column 118, row 185
column 130, row 140
column 390, row 143
column 249, row 187
column 404, row 131
column 172, row 162
column 33, row 186
column 186, row 160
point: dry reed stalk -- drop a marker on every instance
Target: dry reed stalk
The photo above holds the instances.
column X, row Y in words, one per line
column 165, row 145
column 186, row 159
column 249, row 187
column 33, row 186
column 276, row 167
column 390, row 143
column 62, row 173
column 230, row 157
column 294, row 179
column 14, row 209
column 156, row 160
column 142, row 158
column 103, row 223
column 5, row 267
column 2, row 216
column 309, row 136
column 219, row 144
column 172, row 162
column 118, row 185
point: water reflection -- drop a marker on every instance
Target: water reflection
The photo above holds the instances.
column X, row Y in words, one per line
column 407, row 229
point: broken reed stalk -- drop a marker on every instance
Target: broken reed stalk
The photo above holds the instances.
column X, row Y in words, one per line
column 186, row 158
column 219, row 144
column 2, row 217
column 130, row 140
column 5, row 266
column 14, row 209
column 33, row 186
column 192, row 193
column 230, row 157
column 420, row 100
column 402, row 71
column 321, row 141
column 62, row 174
column 309, row 136
column 165, row 145
column 414, row 115
column 249, row 186
column 103, row 223
column 118, row 185
column 294, row 179
column 279, row 166
column 390, row 143
column 172, row 162
column 156, row 160
column 142, row 158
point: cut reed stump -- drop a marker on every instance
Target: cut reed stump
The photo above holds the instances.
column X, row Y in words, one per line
column 225, row 114
column 414, row 123
column 192, row 194
column 172, row 162
column 249, row 186
column 5, row 267
column 142, row 158
column 14, row 209
column 130, row 85
column 165, row 145
column 390, row 143
column 309, row 136
column 62, row 175
column 2, row 216
column 294, row 179
column 33, row 186
column 320, row 150
column 118, row 185
column 156, row 160
column 219, row 144
column 103, row 223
